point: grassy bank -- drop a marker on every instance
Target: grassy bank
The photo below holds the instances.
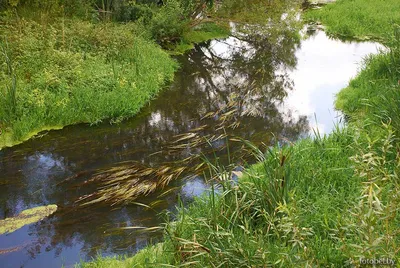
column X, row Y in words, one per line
column 59, row 68
column 327, row 201
column 373, row 96
column 73, row 71
column 322, row 202
column 360, row 19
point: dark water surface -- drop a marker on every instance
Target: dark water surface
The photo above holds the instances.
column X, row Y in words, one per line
column 281, row 81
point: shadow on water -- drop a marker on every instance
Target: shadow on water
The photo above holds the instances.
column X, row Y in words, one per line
column 261, row 69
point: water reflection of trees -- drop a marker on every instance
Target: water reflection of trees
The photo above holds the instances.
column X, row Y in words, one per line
column 251, row 68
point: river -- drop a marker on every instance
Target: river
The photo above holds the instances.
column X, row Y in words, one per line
column 284, row 82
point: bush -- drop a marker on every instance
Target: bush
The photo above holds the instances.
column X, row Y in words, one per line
column 166, row 23
column 142, row 13
column 169, row 23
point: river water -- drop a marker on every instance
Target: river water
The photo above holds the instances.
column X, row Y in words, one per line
column 284, row 83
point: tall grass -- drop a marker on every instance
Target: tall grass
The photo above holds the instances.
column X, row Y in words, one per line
column 324, row 202
column 372, row 231
column 72, row 71
column 8, row 96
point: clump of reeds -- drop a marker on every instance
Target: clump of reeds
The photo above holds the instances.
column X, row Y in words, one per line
column 268, row 218
column 234, row 227
column 370, row 231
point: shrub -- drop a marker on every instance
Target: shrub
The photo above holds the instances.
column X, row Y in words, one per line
column 142, row 13
column 168, row 24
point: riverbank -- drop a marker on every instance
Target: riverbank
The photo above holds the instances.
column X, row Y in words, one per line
column 59, row 70
column 73, row 71
column 358, row 19
column 327, row 201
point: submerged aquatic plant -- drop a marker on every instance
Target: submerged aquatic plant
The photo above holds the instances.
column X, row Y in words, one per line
column 26, row 217
column 127, row 181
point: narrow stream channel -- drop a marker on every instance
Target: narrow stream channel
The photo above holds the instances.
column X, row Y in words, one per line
column 283, row 82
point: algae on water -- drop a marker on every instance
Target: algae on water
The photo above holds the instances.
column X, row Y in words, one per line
column 26, row 217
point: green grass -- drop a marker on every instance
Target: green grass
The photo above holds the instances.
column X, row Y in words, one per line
column 378, row 78
column 248, row 225
column 73, row 71
column 309, row 204
column 358, row 18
